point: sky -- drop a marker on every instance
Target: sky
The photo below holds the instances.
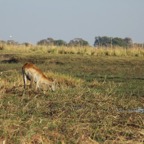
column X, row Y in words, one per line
column 34, row 20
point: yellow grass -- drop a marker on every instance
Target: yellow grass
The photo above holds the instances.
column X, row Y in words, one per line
column 97, row 94
column 101, row 51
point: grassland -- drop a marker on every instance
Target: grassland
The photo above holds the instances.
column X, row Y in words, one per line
column 99, row 93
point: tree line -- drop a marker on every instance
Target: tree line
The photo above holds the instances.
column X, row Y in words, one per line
column 110, row 41
column 74, row 42
column 99, row 41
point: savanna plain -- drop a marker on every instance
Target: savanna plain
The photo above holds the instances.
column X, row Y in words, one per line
column 99, row 97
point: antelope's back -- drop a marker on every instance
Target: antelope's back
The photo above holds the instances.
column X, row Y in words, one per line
column 30, row 70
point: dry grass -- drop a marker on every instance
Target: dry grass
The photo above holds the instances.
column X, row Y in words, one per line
column 94, row 103
column 101, row 51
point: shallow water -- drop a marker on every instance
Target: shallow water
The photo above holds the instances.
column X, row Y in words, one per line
column 138, row 110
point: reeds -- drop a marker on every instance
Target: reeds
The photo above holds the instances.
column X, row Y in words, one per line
column 100, row 51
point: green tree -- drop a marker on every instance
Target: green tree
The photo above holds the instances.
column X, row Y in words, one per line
column 48, row 41
column 109, row 41
column 78, row 42
column 60, row 43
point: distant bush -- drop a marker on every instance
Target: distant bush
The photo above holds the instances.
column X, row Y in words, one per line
column 60, row 43
column 109, row 42
column 48, row 41
column 78, row 42
column 74, row 42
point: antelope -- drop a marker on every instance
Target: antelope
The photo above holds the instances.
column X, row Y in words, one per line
column 35, row 75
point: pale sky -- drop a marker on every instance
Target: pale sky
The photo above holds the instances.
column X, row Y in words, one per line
column 34, row 20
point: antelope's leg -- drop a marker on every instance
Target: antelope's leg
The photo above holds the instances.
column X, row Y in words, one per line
column 24, row 80
column 31, row 82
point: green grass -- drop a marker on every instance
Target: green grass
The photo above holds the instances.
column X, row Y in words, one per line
column 93, row 102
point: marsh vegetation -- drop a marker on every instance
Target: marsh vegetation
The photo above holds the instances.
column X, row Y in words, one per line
column 98, row 93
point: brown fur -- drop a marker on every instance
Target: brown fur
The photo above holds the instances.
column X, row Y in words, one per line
column 34, row 74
